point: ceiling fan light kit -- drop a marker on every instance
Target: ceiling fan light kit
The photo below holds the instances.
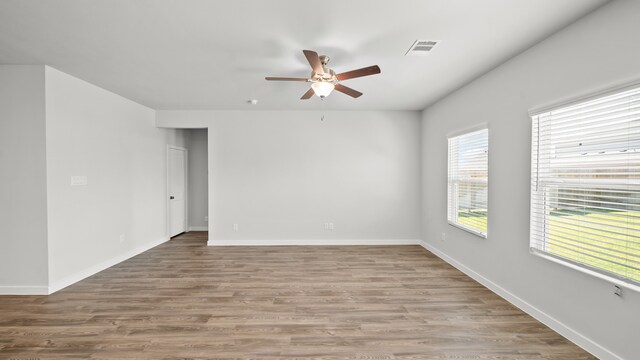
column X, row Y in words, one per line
column 324, row 80
column 322, row 88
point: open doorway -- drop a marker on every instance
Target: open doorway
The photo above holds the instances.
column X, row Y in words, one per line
column 198, row 208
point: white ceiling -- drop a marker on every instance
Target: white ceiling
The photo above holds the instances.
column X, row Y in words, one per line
column 214, row 54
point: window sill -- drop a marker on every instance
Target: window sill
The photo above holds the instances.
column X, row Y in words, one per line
column 608, row 278
column 469, row 230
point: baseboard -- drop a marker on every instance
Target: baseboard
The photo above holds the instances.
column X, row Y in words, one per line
column 562, row 329
column 24, row 290
column 198, row 228
column 83, row 274
column 313, row 242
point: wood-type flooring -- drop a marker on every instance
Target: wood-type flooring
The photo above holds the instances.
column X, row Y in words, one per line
column 183, row 299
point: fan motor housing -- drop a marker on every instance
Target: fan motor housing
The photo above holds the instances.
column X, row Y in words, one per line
column 328, row 76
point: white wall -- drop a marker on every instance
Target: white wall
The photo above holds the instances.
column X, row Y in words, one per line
column 597, row 51
column 280, row 175
column 198, row 179
column 114, row 142
column 23, row 216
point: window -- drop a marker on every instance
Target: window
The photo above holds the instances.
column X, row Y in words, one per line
column 585, row 185
column 467, row 183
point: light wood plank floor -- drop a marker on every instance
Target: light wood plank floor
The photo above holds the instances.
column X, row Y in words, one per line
column 186, row 300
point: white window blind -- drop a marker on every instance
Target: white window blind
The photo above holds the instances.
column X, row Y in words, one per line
column 585, row 188
column 468, row 181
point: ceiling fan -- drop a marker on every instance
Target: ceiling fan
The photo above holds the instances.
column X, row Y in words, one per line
column 324, row 80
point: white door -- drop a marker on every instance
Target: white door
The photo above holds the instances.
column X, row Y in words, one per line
column 177, row 191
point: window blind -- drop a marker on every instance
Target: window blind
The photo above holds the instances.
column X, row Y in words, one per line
column 468, row 181
column 585, row 185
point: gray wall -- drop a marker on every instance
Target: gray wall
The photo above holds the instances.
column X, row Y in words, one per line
column 114, row 142
column 198, row 179
column 23, row 206
column 280, row 175
column 593, row 53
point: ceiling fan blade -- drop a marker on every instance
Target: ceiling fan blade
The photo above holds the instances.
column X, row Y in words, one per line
column 347, row 90
column 314, row 61
column 371, row 70
column 275, row 78
column 307, row 95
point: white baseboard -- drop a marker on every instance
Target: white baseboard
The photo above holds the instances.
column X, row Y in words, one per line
column 314, row 242
column 24, row 290
column 198, row 228
column 562, row 329
column 72, row 279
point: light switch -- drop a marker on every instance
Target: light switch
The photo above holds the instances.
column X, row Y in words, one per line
column 79, row 180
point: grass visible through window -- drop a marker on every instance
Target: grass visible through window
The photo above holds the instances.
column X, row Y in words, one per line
column 597, row 247
column 474, row 219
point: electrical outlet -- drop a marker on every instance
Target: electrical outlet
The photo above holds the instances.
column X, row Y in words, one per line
column 443, row 236
column 617, row 290
column 206, row 218
column 122, row 237
column 236, row 227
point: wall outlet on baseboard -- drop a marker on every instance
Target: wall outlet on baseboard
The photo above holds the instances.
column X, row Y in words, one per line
column 206, row 218
column 122, row 237
column 236, row 227
column 443, row 236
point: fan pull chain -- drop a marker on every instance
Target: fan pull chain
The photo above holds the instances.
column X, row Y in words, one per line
column 322, row 108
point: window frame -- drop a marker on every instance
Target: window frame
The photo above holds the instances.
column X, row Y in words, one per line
column 468, row 131
column 603, row 274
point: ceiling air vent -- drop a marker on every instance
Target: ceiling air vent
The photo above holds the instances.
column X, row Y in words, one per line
column 421, row 47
